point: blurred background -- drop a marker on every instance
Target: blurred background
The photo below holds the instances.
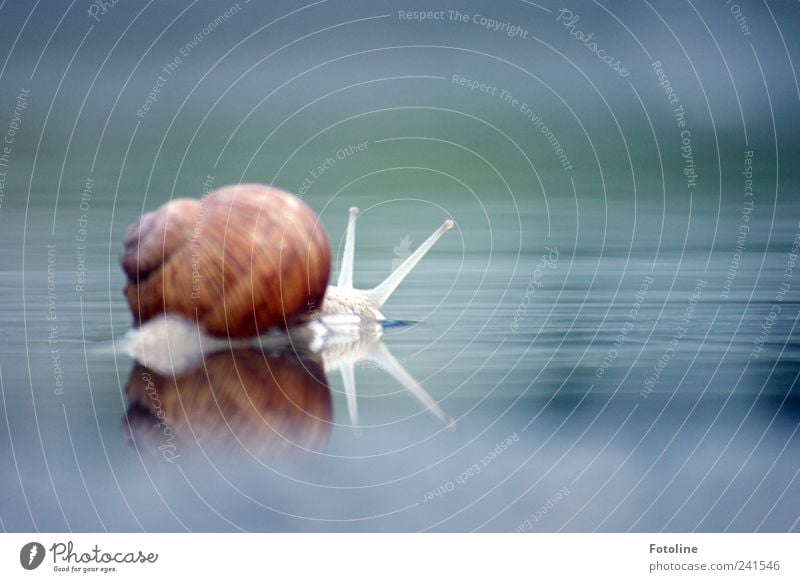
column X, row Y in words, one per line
column 612, row 324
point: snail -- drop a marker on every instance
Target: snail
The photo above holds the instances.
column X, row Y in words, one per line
column 247, row 259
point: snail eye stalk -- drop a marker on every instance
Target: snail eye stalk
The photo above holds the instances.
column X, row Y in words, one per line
column 346, row 272
column 380, row 294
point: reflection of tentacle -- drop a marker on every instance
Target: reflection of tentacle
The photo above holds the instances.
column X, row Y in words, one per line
column 380, row 294
column 384, row 358
column 349, row 381
column 346, row 272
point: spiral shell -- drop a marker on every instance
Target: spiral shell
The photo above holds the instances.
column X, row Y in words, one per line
column 242, row 260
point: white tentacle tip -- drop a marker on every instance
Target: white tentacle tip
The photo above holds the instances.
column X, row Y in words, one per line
column 448, row 224
column 354, row 211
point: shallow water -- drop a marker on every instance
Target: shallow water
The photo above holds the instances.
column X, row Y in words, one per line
column 610, row 360
column 710, row 445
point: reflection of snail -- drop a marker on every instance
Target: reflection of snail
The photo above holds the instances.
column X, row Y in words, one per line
column 241, row 399
column 246, row 259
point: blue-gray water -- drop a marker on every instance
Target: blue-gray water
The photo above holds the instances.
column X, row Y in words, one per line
column 617, row 346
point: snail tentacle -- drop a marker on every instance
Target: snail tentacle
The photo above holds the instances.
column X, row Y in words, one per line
column 346, row 271
column 380, row 294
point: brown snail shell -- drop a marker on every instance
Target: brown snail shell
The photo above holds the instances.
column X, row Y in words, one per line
column 241, row 260
column 270, row 405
